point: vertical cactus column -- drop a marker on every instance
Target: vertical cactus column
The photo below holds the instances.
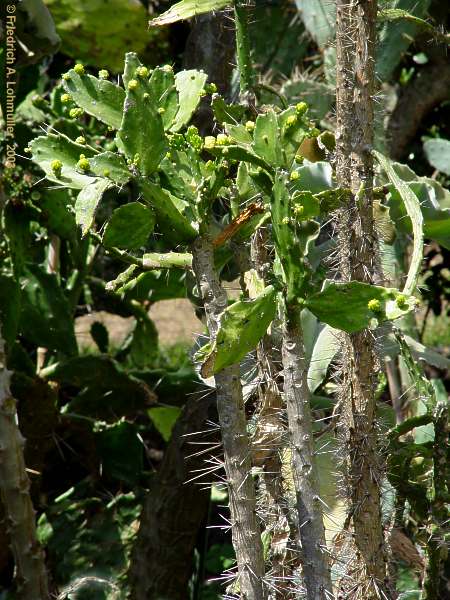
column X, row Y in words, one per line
column 355, row 43
column 244, row 526
column 30, row 574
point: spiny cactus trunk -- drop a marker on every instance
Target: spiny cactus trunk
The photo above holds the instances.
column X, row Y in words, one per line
column 30, row 573
column 245, row 529
column 355, row 41
column 315, row 564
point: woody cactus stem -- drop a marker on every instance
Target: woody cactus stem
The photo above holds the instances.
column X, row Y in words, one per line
column 315, row 564
column 355, row 43
column 230, row 405
column 30, row 574
column 243, row 49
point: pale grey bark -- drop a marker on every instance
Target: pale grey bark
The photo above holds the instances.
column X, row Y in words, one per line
column 30, row 573
column 245, row 528
column 314, row 556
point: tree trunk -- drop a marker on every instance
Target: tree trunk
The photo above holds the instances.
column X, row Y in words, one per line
column 30, row 573
column 244, row 526
column 173, row 512
column 366, row 572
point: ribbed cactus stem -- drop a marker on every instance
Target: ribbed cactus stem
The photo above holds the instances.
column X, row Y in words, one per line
column 236, row 446
column 30, row 574
column 314, row 557
column 243, row 49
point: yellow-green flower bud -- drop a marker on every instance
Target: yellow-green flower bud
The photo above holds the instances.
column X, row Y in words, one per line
column 142, row 72
column 161, row 110
column 299, row 159
column 146, row 96
column 106, row 173
column 80, row 140
column 65, row 98
column 374, row 305
column 299, row 209
column 83, row 163
column 56, row 166
column 294, row 176
column 74, row 113
column 103, row 74
column 66, row 76
column 250, row 126
column 301, row 108
column 285, row 221
column 210, row 88
column 133, row 84
column 210, row 142
column 79, row 69
column 167, row 68
column 222, row 139
column 291, row 120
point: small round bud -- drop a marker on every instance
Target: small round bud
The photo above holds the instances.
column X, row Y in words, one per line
column 79, row 69
column 106, row 173
column 167, row 68
column 250, row 126
column 133, row 84
column 210, row 88
column 291, row 120
column 161, row 110
column 83, row 163
column 285, row 221
column 299, row 159
column 301, row 108
column 146, row 96
column 314, row 132
column 27, row 150
column 65, row 98
column 210, row 142
column 374, row 305
column 56, row 166
column 299, row 209
column 74, row 113
column 222, row 139
column 142, row 72
column 66, row 76
column 103, row 74
column 294, row 176
column 80, row 140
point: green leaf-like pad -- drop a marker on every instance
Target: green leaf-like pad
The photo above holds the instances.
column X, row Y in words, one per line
column 129, row 226
column 87, row 203
column 345, row 306
column 242, row 325
column 141, row 132
column 415, row 214
column 112, row 166
column 51, row 147
column 189, row 85
column 169, row 212
column 98, row 97
column 187, row 9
